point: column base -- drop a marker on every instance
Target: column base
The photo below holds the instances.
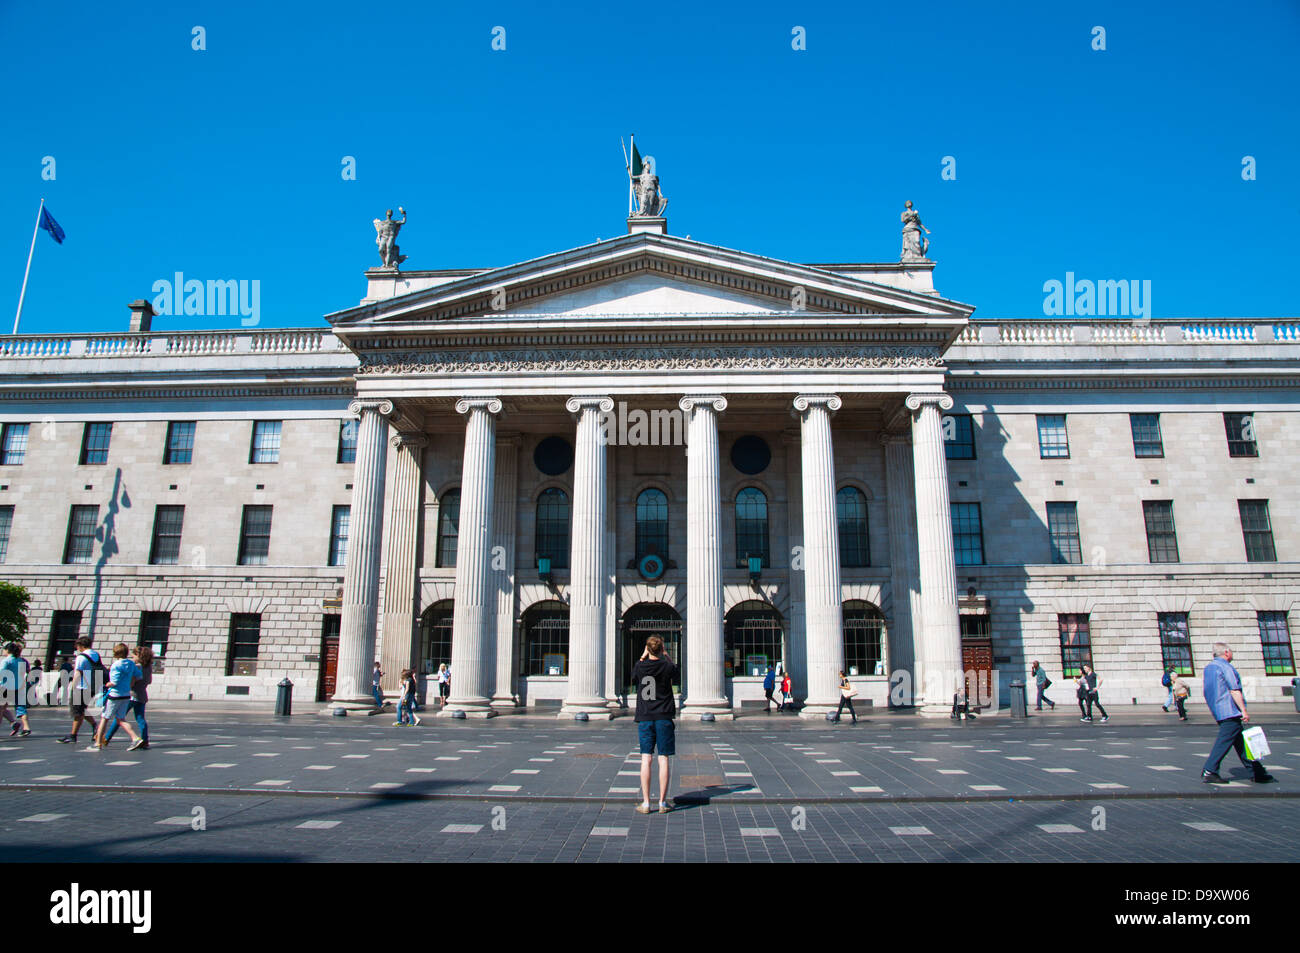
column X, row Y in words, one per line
column 361, row 704
column 721, row 710
column 594, row 712
column 469, row 708
column 935, row 711
column 818, row 710
column 504, row 702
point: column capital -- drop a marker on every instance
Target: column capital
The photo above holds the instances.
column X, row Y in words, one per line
column 359, row 406
column 804, row 401
column 408, row 439
column 691, row 401
column 491, row 404
column 602, row 403
column 917, row 401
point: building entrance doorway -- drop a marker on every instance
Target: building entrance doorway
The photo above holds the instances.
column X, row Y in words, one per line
column 329, row 657
column 639, row 623
column 977, row 660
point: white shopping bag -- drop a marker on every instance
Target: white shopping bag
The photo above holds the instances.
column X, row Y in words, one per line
column 1256, row 744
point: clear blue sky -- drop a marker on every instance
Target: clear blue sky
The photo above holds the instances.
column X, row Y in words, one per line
column 226, row 163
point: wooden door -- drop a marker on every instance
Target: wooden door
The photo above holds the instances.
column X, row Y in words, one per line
column 329, row 657
column 977, row 663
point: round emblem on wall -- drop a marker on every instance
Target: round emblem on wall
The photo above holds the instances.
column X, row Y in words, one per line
column 651, row 567
column 750, row 455
column 553, row 456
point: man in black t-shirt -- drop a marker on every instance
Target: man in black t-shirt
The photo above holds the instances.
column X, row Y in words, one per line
column 653, row 677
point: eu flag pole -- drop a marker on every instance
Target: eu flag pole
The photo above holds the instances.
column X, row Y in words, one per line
column 46, row 221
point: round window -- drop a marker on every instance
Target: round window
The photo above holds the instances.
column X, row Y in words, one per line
column 750, row 455
column 553, row 456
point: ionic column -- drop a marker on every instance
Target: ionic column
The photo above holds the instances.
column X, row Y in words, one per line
column 905, row 591
column 796, row 653
column 505, row 509
column 938, row 658
column 361, row 573
column 822, row 596
column 586, row 691
column 398, row 646
column 705, row 684
column 473, row 657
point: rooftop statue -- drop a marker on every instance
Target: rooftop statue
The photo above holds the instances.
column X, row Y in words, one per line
column 914, row 244
column 650, row 201
column 387, row 230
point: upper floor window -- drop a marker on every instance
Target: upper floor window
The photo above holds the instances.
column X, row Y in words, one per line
column 266, row 442
column 1147, row 441
column 13, row 444
column 80, row 546
column 94, row 443
column 967, row 534
column 552, row 536
column 751, row 527
column 1257, row 530
column 1063, row 529
column 255, row 536
column 448, row 529
column 1162, row 540
column 6, row 523
column 651, row 524
column 1241, row 434
column 851, row 515
column 348, row 440
column 339, row 521
column 167, row 524
column 180, row 442
column 1052, row 438
column 958, row 437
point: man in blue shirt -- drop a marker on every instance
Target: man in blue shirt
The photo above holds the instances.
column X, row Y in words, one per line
column 13, row 684
column 1223, row 696
column 117, row 698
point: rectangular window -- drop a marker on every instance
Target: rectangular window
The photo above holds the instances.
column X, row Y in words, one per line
column 958, row 437
column 13, row 445
column 1276, row 636
column 1063, row 528
column 1175, row 642
column 1241, row 434
column 6, row 524
column 348, row 441
column 154, row 629
column 1162, row 541
column 1257, row 530
column 1076, row 643
column 255, row 536
column 166, row 548
column 63, row 638
column 1052, row 439
column 94, row 443
column 245, row 633
column 80, row 546
column 180, row 442
column 967, row 534
column 339, row 535
column 1147, row 441
column 266, row 442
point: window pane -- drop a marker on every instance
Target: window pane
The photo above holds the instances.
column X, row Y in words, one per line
column 958, row 437
column 266, row 442
column 1052, row 439
column 864, row 643
column 64, row 629
column 1257, row 530
column 651, row 524
column 1175, row 642
column 753, row 637
column 851, row 514
column 967, row 534
column 81, row 534
column 154, row 629
column 180, row 442
column 6, row 524
column 339, row 521
column 1162, row 542
column 348, row 440
column 1076, row 643
column 15, row 444
column 552, row 536
column 1275, row 635
column 546, row 639
column 167, row 523
column 94, row 443
column 245, row 634
column 1146, row 435
column 1241, row 434
column 751, row 528
column 255, row 536
column 448, row 529
column 1063, row 529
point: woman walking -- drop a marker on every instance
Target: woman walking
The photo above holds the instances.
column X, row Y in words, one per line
column 406, row 703
column 847, row 691
column 444, row 683
column 1181, row 693
column 1091, row 681
column 785, row 691
column 1043, row 683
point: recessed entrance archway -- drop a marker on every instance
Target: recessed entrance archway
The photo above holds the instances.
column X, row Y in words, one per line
column 639, row 623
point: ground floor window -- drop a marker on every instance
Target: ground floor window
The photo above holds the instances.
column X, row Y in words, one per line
column 1076, row 643
column 63, row 638
column 435, row 636
column 754, row 638
column 642, row 621
column 1175, row 642
column 1276, row 637
column 545, row 628
column 864, row 639
column 245, row 635
column 154, row 629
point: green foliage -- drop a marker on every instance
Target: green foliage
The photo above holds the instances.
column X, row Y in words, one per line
column 13, row 613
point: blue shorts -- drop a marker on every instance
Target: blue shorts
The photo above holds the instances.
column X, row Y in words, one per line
column 661, row 734
column 115, row 709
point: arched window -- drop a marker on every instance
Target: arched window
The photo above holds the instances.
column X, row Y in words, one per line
column 448, row 529
column 651, row 524
column 864, row 639
column 435, row 636
column 851, row 513
column 552, row 538
column 754, row 638
column 546, row 639
column 751, row 527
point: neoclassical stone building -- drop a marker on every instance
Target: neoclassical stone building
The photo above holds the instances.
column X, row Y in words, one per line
column 524, row 471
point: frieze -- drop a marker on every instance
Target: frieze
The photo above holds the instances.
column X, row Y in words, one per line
column 647, row 359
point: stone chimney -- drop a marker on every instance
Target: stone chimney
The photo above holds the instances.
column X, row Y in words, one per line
column 142, row 315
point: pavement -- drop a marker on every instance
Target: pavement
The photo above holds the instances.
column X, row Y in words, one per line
column 240, row 785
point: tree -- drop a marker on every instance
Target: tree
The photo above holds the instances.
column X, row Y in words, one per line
column 13, row 613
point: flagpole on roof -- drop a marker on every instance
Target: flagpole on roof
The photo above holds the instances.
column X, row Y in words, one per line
column 23, row 294
column 631, row 186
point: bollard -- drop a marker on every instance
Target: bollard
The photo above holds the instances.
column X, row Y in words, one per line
column 284, row 697
column 1019, row 701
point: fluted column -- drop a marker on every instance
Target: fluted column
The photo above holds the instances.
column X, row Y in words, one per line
column 402, row 539
column 904, row 588
column 505, row 509
column 938, row 661
column 473, row 657
column 361, row 574
column 706, row 689
column 822, row 597
column 587, row 582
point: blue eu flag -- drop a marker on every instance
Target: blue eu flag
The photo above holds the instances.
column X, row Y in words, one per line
column 50, row 225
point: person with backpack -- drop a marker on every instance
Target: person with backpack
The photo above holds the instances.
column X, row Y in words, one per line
column 142, row 655
column 1043, row 683
column 406, row 703
column 769, row 686
column 87, row 679
column 1167, row 681
column 117, row 699
column 1181, row 693
column 13, row 681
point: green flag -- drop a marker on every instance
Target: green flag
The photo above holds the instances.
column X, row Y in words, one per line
column 636, row 161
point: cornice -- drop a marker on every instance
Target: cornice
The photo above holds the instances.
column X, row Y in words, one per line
column 179, row 392
column 958, row 383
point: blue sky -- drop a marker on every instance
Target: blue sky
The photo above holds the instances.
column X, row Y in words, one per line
column 226, row 163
